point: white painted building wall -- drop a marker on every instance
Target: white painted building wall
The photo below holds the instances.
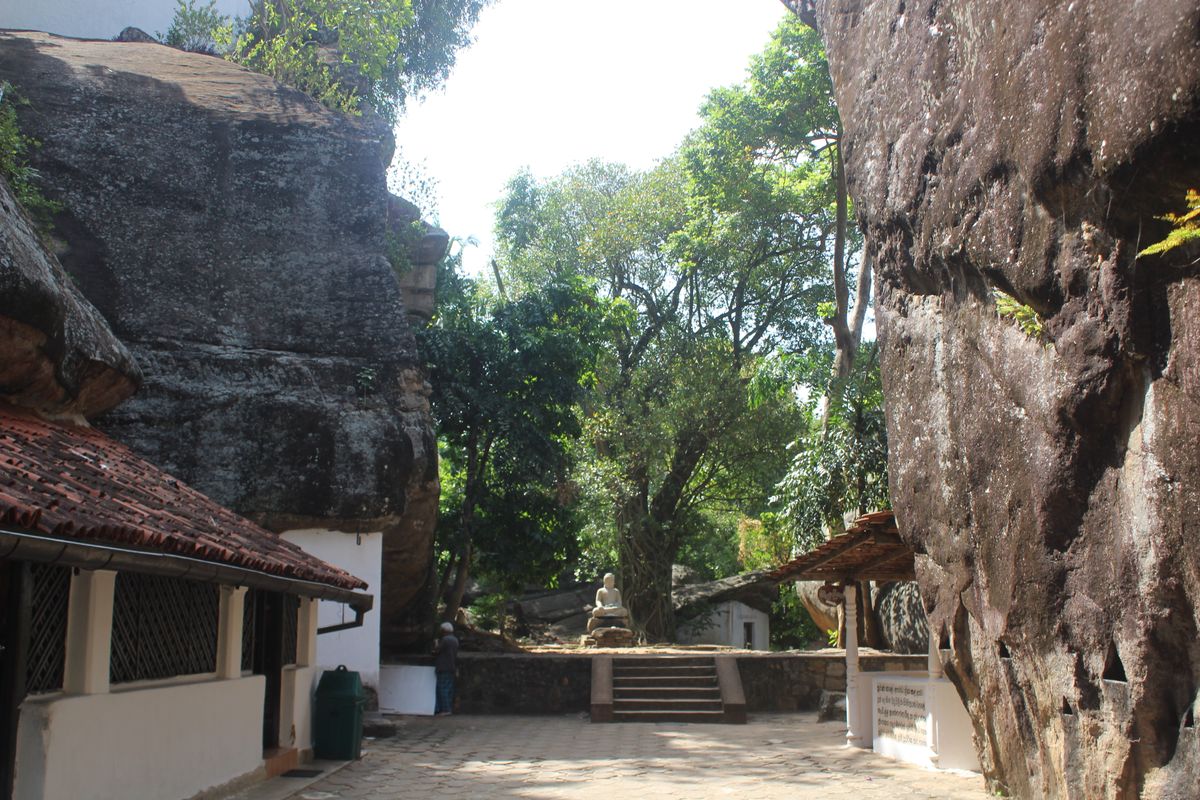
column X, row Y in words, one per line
column 726, row 626
column 99, row 19
column 362, row 556
column 164, row 741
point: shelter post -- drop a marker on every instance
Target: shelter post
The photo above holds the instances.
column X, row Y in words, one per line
column 853, row 724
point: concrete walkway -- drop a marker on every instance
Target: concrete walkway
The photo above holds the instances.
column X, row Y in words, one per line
column 775, row 756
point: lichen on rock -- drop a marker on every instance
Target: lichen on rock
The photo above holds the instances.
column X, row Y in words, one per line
column 233, row 232
column 59, row 355
column 1050, row 491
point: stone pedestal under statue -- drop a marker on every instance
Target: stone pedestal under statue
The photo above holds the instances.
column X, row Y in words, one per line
column 609, row 625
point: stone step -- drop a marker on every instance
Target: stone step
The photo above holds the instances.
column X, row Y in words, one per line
column 637, row 692
column 655, row 661
column 688, row 671
column 666, row 704
column 669, row 716
column 664, row 680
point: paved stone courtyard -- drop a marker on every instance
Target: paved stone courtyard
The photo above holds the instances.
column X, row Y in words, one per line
column 774, row 756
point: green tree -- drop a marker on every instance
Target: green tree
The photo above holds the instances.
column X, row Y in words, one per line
column 507, row 377
column 709, row 267
column 840, row 466
column 350, row 53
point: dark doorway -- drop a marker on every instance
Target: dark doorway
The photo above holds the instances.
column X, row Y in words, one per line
column 268, row 659
column 16, row 590
column 748, row 635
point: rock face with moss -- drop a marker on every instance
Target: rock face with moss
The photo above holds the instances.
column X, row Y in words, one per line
column 1050, row 486
column 235, row 235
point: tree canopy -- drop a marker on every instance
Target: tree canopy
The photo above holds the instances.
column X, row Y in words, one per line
column 728, row 404
column 347, row 54
column 715, row 260
column 507, row 378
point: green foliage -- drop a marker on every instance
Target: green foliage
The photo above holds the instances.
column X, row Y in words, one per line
column 1028, row 320
column 715, row 261
column 411, row 180
column 839, row 467
column 710, row 550
column 791, row 626
column 507, row 377
column 341, row 52
column 764, row 543
column 22, row 178
column 399, row 243
column 428, row 47
column 364, row 381
column 488, row 611
column 193, row 27
column 1185, row 227
column 350, row 54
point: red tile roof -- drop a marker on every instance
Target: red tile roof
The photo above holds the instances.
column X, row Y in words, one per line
column 870, row 549
column 76, row 483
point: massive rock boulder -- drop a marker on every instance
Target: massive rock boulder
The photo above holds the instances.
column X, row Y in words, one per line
column 57, row 353
column 235, row 235
column 1051, row 488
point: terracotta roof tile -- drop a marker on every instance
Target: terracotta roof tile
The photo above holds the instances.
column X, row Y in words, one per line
column 75, row 482
column 870, row 549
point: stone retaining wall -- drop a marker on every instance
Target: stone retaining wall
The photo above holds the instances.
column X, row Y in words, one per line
column 794, row 681
column 545, row 683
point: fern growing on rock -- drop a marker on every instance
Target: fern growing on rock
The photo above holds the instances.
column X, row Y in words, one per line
column 1185, row 227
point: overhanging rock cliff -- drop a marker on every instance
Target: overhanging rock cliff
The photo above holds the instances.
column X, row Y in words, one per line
column 59, row 355
column 234, row 234
column 1051, row 489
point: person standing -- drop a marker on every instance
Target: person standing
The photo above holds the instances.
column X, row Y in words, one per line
column 444, row 664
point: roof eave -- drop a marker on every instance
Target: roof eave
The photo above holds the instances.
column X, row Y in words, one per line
column 26, row 546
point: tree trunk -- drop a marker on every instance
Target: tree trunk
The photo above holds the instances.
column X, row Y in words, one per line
column 648, row 540
column 462, row 572
column 646, row 557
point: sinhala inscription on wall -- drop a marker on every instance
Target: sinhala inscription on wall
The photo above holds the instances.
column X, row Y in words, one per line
column 900, row 713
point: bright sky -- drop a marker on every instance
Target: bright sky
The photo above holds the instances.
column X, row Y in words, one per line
column 552, row 83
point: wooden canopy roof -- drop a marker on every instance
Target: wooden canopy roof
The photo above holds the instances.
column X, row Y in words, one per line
column 871, row 549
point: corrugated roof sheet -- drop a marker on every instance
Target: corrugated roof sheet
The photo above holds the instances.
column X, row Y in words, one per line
column 76, row 483
column 870, row 549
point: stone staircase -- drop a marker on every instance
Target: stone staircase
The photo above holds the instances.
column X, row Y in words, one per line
column 667, row 689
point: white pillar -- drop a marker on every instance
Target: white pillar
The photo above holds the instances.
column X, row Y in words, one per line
column 229, row 632
column 853, row 723
column 89, row 632
column 935, row 658
column 306, row 632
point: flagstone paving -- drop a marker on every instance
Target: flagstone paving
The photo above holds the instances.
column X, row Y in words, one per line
column 774, row 756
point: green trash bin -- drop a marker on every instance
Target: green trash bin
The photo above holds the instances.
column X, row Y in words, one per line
column 338, row 717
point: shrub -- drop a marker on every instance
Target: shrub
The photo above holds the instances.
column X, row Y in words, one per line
column 14, row 166
column 194, row 27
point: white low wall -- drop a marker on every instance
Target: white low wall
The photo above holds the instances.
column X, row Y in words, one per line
column 920, row 720
column 407, row 689
column 165, row 742
column 296, row 710
column 362, row 556
column 99, row 19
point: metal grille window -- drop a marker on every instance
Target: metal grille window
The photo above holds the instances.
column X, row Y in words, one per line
column 48, row 627
column 248, row 632
column 291, row 624
column 163, row 627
